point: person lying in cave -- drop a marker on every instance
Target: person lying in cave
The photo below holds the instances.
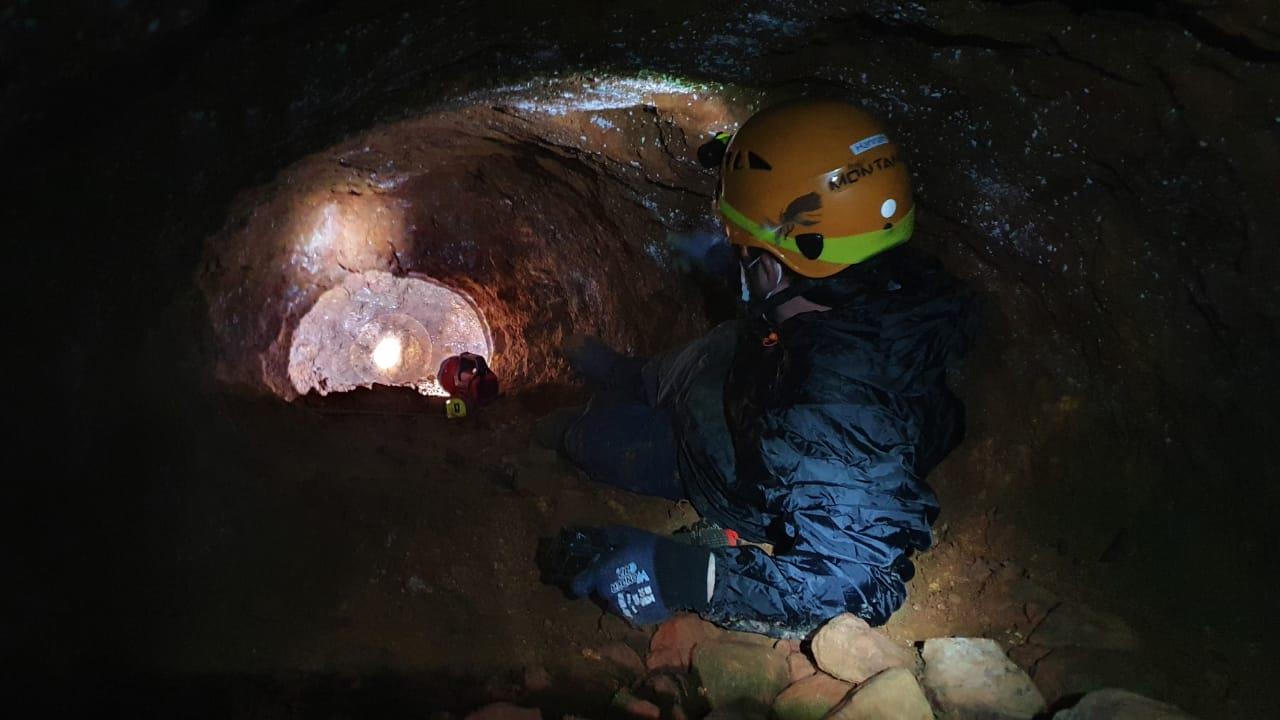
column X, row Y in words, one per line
column 807, row 426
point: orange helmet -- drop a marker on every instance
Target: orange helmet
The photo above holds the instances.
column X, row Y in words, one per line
column 817, row 183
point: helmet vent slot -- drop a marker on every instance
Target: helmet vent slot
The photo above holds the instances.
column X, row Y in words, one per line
column 810, row 244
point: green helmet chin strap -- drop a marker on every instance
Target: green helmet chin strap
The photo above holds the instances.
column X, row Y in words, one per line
column 843, row 250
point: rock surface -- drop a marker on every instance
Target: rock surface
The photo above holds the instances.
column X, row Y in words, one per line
column 740, row 675
column 893, row 693
column 626, row 706
column 536, row 679
column 1065, row 671
column 1113, row 704
column 811, row 698
column 850, row 649
column 736, row 714
column 799, row 666
column 622, row 659
column 671, row 646
column 1076, row 625
column 504, row 711
column 671, row 693
column 972, row 678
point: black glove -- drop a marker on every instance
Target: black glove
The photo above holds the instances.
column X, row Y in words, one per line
column 645, row 577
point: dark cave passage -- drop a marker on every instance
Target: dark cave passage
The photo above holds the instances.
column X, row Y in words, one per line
column 269, row 190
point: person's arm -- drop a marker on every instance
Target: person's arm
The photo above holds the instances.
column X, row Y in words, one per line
column 646, row 577
column 839, row 478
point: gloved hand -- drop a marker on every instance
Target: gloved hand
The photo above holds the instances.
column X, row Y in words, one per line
column 645, row 576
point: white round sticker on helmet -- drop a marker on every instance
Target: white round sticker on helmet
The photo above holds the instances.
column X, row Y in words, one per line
column 889, row 207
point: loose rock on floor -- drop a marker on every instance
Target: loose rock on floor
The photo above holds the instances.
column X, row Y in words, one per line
column 740, row 674
column 893, row 693
column 847, row 648
column 973, row 678
column 1113, row 704
column 811, row 698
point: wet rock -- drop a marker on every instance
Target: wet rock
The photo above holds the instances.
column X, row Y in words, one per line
column 672, row 644
column 626, row 706
column 799, row 666
column 848, row 648
column 811, row 698
column 504, row 711
column 739, row 675
column 1075, row 625
column 893, row 693
column 621, row 659
column 972, row 678
column 1114, row 704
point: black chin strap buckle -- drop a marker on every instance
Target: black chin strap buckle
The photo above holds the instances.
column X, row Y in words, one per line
column 762, row 307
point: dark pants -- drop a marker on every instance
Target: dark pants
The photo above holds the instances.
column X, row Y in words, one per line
column 621, row 439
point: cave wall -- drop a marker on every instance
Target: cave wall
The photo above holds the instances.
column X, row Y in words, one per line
column 1105, row 177
column 553, row 220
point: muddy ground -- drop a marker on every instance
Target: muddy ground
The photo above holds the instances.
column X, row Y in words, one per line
column 364, row 554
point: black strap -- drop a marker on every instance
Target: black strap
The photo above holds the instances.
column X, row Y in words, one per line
column 762, row 308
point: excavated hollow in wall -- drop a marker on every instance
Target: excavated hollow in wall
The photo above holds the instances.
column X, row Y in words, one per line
column 377, row 328
column 551, row 222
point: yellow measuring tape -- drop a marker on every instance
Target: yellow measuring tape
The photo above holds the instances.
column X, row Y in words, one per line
column 455, row 408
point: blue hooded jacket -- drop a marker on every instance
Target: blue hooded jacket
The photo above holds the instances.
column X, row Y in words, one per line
column 818, row 443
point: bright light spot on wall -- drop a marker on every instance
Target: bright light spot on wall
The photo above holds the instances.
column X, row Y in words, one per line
column 387, row 354
column 379, row 329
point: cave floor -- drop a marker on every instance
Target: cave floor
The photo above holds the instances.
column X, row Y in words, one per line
column 370, row 555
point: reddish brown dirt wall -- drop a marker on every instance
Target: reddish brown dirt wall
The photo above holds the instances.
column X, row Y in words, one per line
column 553, row 224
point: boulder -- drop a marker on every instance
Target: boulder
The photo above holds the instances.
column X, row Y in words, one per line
column 848, row 648
column 621, row 659
column 671, row 646
column 505, row 711
column 800, row 667
column 893, row 693
column 1113, row 704
column 626, row 706
column 672, row 694
column 811, row 698
column 791, row 645
column 740, row 675
column 972, row 679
